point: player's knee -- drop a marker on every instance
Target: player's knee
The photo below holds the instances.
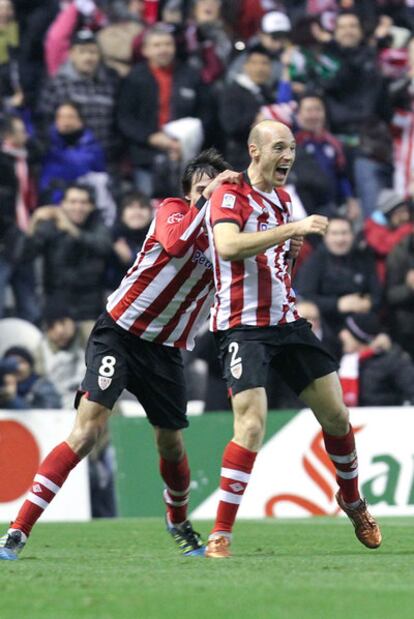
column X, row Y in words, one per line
column 249, row 431
column 88, row 428
column 336, row 422
column 170, row 444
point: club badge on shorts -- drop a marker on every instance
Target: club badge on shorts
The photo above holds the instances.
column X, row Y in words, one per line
column 236, row 370
column 104, row 382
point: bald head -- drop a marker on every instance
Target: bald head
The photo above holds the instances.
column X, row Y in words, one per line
column 268, row 131
column 272, row 151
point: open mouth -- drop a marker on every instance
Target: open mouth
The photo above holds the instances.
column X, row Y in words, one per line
column 282, row 171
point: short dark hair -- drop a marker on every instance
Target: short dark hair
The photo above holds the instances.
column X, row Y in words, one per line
column 6, row 124
column 311, row 94
column 81, row 187
column 73, row 105
column 135, row 196
column 339, row 217
column 208, row 162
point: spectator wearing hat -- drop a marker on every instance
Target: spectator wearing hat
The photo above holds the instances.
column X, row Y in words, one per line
column 72, row 152
column 240, row 102
column 387, row 226
column 75, row 246
column 274, row 35
column 85, row 81
column 399, row 291
column 339, row 276
column 128, row 235
column 22, row 388
column 371, row 374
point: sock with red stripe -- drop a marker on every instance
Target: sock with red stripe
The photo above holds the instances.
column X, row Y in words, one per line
column 47, row 482
column 176, row 476
column 342, row 452
column 237, row 464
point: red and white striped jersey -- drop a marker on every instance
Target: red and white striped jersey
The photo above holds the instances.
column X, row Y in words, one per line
column 255, row 291
column 167, row 294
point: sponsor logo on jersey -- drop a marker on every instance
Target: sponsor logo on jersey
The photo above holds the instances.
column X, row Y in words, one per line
column 104, row 382
column 228, row 200
column 174, row 218
column 202, row 259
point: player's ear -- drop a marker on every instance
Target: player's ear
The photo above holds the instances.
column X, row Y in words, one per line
column 253, row 150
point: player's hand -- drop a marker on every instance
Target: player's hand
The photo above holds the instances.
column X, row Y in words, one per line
column 228, row 176
column 296, row 243
column 314, row 224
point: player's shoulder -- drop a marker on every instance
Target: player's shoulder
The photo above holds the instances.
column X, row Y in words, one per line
column 283, row 195
column 172, row 205
column 232, row 189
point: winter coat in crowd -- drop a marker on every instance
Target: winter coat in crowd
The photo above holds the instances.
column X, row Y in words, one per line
column 386, row 379
column 325, row 277
column 67, row 158
column 400, row 296
column 73, row 267
column 139, row 104
column 94, row 95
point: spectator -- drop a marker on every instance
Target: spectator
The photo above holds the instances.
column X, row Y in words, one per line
column 15, row 205
column 402, row 96
column 274, row 35
column 370, row 375
column 311, row 313
column 74, row 16
column 339, row 277
column 83, row 80
column 128, row 235
column 208, row 45
column 320, row 167
column 117, row 40
column 155, row 92
column 388, row 225
column 60, row 354
column 72, row 152
column 357, row 102
column 21, row 387
column 240, row 103
column 75, row 246
column 400, row 292
column 9, row 42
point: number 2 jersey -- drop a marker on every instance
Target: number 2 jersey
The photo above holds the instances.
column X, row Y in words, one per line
column 166, row 295
column 255, row 291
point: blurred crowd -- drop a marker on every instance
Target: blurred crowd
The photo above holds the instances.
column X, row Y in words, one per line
column 103, row 102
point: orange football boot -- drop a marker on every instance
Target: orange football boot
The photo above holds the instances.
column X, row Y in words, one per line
column 366, row 528
column 218, row 547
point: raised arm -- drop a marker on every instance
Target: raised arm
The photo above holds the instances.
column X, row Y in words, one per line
column 232, row 244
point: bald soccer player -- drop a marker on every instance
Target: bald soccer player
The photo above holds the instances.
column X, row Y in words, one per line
column 256, row 325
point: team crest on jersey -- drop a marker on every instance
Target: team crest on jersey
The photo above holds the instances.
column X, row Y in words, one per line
column 236, row 370
column 104, row 382
column 228, row 200
column 263, row 227
column 175, row 218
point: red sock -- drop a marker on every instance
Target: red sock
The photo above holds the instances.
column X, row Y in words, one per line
column 48, row 480
column 236, row 467
column 342, row 452
column 176, row 476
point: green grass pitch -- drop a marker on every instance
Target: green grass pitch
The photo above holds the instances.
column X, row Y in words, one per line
column 130, row 569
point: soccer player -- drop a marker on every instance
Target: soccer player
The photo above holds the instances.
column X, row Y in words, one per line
column 163, row 299
column 256, row 325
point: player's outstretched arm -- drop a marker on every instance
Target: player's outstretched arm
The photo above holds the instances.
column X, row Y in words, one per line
column 232, row 244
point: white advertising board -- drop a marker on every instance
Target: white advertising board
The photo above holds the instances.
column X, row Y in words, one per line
column 293, row 477
column 26, row 437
